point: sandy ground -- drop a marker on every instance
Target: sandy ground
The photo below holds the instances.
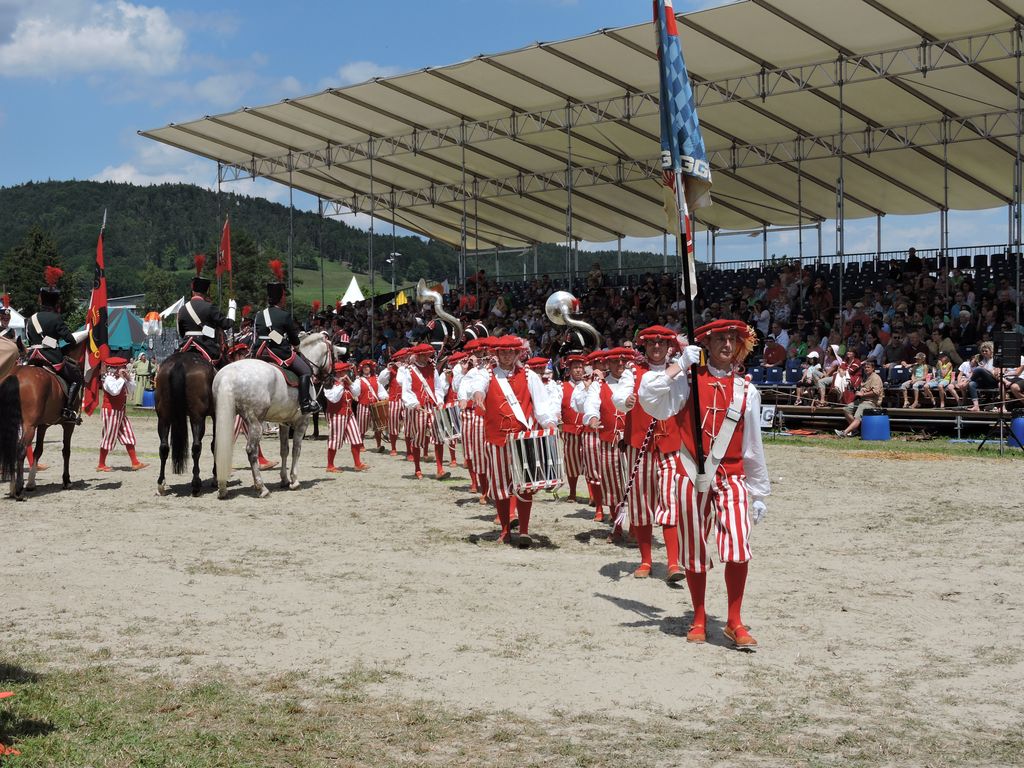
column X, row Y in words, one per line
column 881, row 586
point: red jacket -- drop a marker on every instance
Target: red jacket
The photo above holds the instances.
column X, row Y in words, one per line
column 715, row 397
column 666, row 433
column 572, row 421
column 499, row 421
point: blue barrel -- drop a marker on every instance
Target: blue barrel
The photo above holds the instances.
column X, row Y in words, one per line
column 875, row 427
column 149, row 399
column 1017, row 428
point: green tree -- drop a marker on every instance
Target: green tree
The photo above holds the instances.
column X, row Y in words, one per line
column 22, row 270
column 162, row 288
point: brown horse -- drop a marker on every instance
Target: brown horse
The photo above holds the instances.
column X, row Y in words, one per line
column 41, row 399
column 184, row 394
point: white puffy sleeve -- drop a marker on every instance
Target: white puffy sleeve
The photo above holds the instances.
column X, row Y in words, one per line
column 544, row 411
column 357, row 388
column 334, row 394
column 440, row 386
column 663, row 397
column 578, row 400
column 621, row 392
column 409, row 399
column 592, row 403
column 385, row 378
column 457, row 375
column 754, row 464
column 475, row 382
column 382, row 390
column 113, row 385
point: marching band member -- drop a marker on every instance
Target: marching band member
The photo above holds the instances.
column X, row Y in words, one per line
column 647, row 441
column 118, row 386
column 513, row 400
column 729, row 496
column 343, row 426
column 277, row 339
column 604, row 428
column 472, row 419
column 588, row 438
column 423, row 390
column 458, row 364
column 44, row 331
column 201, row 326
column 572, row 423
column 367, row 389
column 396, row 411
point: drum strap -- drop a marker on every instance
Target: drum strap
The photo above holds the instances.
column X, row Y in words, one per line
column 426, row 387
column 513, row 403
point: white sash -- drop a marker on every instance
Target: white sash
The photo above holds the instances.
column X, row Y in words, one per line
column 205, row 330
column 720, row 443
column 47, row 341
column 273, row 335
column 513, row 403
column 426, row 387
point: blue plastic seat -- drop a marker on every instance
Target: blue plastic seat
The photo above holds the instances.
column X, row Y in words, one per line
column 773, row 374
column 897, row 375
column 756, row 374
column 793, row 372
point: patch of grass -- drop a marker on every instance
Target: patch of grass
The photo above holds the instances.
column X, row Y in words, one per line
column 899, row 448
column 97, row 716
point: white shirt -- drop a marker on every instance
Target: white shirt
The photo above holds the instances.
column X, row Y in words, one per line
column 113, row 385
column 662, row 398
column 546, row 410
column 592, row 404
column 622, row 392
column 357, row 388
column 384, row 378
column 335, row 393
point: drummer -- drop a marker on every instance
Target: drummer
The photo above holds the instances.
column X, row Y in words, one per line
column 367, row 390
column 396, row 411
column 423, row 391
column 516, row 402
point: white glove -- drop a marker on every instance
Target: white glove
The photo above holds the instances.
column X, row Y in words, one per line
column 232, row 307
column 690, row 356
column 760, row 511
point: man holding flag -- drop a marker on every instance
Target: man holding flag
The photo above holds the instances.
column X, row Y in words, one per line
column 725, row 492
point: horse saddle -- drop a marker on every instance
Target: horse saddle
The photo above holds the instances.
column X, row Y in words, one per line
column 290, row 377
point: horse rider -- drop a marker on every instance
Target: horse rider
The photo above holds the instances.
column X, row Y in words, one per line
column 277, row 337
column 200, row 323
column 6, row 331
column 45, row 330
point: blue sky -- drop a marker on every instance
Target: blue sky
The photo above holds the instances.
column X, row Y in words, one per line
column 78, row 78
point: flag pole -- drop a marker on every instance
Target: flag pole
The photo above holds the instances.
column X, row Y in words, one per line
column 690, row 292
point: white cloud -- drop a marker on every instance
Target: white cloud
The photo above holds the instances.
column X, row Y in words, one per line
column 51, row 39
column 225, row 90
column 358, row 72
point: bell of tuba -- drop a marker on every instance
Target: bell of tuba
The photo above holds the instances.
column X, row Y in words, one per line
column 424, row 295
column 559, row 308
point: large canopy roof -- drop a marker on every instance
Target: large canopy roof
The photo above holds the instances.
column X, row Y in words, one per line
column 791, row 95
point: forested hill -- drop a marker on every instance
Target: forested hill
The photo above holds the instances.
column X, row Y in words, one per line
column 165, row 225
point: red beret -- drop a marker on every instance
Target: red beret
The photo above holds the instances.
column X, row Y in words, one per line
column 471, row 345
column 421, row 349
column 620, row 353
column 507, row 342
column 367, row 362
column 593, row 357
column 747, row 335
column 573, row 358
column 340, row 367
column 537, row 362
column 115, row 362
column 657, row 332
column 457, row 356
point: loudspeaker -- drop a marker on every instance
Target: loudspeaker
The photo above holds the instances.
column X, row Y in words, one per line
column 1007, row 349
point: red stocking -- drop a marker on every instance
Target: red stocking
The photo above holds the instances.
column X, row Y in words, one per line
column 697, row 582
column 355, row 456
column 504, row 517
column 103, row 457
column 523, row 509
column 735, row 582
column 416, row 458
column 671, row 534
column 132, row 455
column 439, row 457
column 572, row 486
column 643, row 539
column 331, row 453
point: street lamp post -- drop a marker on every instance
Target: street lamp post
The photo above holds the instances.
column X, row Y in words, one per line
column 392, row 260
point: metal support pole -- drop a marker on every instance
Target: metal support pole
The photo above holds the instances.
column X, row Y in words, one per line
column 320, row 247
column 819, row 243
column 944, row 211
column 764, row 244
column 800, row 209
column 714, row 242
column 618, row 248
column 462, row 228
column 220, row 292
column 497, row 266
column 841, row 187
column 291, row 240
column 878, row 238
column 369, row 308
column 536, row 272
column 664, row 251
column 394, row 248
column 1018, row 169
column 568, row 189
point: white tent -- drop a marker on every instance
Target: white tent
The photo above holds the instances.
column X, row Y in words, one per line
column 173, row 309
column 17, row 320
column 352, row 294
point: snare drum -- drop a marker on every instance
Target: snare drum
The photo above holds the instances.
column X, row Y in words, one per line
column 379, row 412
column 447, row 423
column 536, row 462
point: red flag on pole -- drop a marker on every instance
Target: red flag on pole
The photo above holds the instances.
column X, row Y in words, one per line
column 224, row 252
column 98, row 348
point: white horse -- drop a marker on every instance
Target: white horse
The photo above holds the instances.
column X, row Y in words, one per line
column 256, row 391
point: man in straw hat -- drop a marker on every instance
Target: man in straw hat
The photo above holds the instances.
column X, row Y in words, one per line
column 728, row 495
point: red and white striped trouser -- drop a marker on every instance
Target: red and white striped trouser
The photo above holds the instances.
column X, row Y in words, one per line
column 591, row 456
column 116, row 427
column 499, row 473
column 396, row 417
column 419, row 428
column 606, row 459
column 240, row 427
column 473, row 440
column 644, row 498
column 572, row 451
column 727, row 513
column 343, row 428
column 363, row 417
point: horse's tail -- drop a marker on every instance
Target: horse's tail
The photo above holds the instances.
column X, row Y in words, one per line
column 179, row 416
column 224, row 424
column 10, row 426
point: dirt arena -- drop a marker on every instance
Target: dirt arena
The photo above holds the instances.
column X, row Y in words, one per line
column 886, row 592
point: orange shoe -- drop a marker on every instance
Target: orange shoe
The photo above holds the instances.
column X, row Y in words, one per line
column 599, row 516
column 443, row 475
column 393, row 453
column 643, row 572
column 103, row 468
column 334, row 470
column 740, row 637
column 362, row 467
column 473, row 489
column 419, row 475
column 483, row 498
column 697, row 634
column 675, row 574
column 139, row 465
column 265, row 465
column 453, row 463
column 408, row 457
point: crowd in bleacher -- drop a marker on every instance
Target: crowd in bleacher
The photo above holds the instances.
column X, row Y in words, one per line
column 927, row 327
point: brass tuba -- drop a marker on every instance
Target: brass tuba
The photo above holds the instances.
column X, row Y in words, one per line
column 424, row 294
column 559, row 307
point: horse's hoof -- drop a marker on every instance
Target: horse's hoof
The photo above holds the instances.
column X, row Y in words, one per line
column 67, row 486
column 285, row 484
column 294, row 486
column 161, row 490
column 264, row 492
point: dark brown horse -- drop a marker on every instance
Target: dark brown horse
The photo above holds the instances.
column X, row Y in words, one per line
column 41, row 399
column 184, row 395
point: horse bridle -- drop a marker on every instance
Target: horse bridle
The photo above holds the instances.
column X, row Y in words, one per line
column 328, row 363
